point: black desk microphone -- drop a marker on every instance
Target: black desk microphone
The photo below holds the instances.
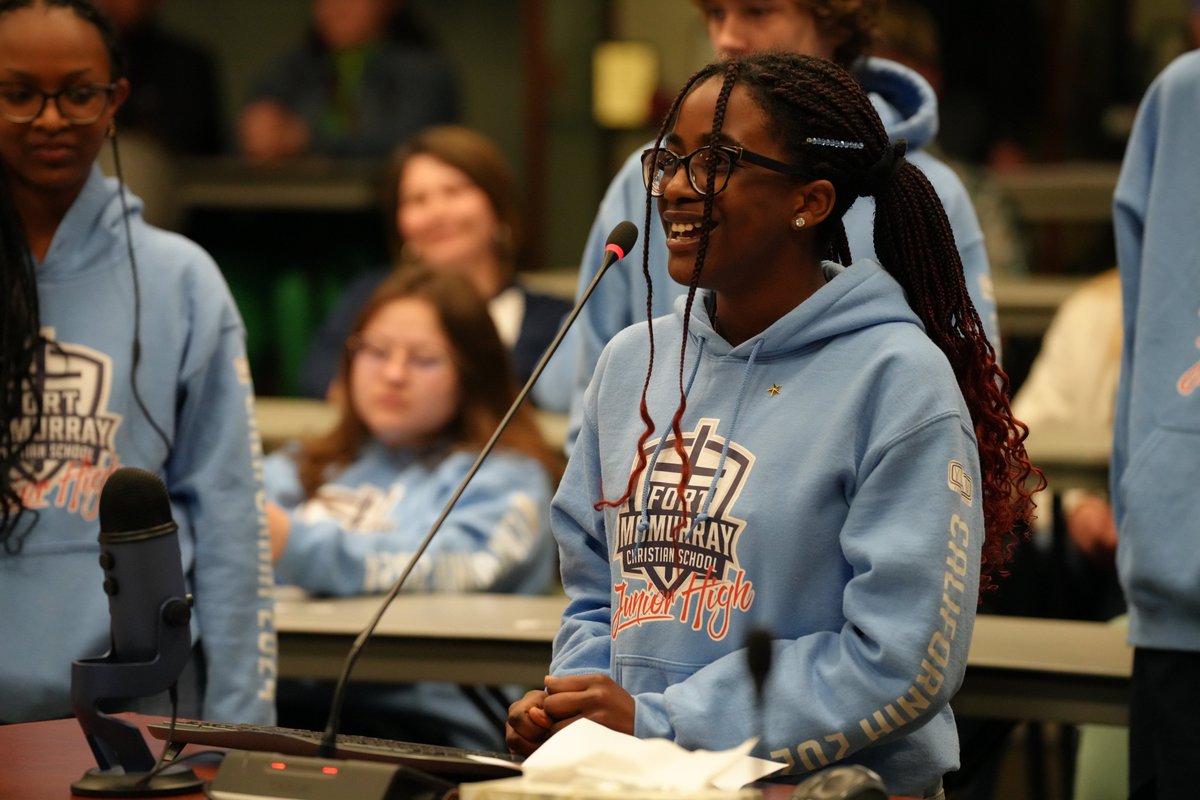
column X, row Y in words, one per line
column 151, row 640
column 244, row 774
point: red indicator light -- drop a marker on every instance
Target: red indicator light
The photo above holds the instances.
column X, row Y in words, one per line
column 278, row 765
column 329, row 770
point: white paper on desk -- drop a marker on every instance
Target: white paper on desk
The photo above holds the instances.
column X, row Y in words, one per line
column 589, row 753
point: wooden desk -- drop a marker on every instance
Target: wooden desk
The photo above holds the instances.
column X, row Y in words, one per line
column 1047, row 669
column 282, row 419
column 1019, row 668
column 43, row 759
column 1026, row 306
column 463, row 638
column 1079, row 191
column 1072, row 458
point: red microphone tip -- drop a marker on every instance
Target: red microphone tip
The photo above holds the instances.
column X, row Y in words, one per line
column 613, row 247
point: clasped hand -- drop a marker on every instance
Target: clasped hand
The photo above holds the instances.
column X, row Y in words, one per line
column 543, row 712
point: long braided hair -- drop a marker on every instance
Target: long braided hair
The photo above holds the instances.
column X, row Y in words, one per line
column 20, row 320
column 828, row 126
column 677, row 419
column 19, row 344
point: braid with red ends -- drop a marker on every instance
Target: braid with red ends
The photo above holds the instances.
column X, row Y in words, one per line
column 643, row 411
column 685, row 464
column 828, row 124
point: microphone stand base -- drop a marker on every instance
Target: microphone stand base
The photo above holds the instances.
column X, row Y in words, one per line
column 118, row 783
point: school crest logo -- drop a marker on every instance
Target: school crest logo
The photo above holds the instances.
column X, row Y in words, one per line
column 76, row 424
column 707, row 547
column 72, row 451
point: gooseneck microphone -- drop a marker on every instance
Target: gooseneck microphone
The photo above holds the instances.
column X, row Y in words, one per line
column 619, row 242
column 150, row 612
column 248, row 774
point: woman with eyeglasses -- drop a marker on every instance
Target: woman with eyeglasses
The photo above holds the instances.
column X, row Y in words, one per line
column 817, row 448
column 426, row 381
column 121, row 348
column 843, row 31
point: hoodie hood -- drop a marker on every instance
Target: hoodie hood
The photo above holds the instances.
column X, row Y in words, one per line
column 859, row 296
column 90, row 231
column 905, row 101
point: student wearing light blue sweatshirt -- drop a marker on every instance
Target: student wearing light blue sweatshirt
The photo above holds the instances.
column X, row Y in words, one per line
column 1156, row 431
column 821, row 449
column 426, row 380
column 907, row 104
column 122, row 347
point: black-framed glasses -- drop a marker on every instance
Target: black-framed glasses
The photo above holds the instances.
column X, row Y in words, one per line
column 660, row 165
column 81, row 104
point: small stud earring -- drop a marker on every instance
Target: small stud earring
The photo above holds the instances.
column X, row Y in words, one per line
column 799, row 222
column 111, row 130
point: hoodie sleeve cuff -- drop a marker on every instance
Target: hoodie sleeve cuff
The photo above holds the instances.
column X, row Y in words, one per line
column 651, row 719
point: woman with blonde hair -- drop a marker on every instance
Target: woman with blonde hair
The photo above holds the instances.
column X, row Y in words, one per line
column 452, row 202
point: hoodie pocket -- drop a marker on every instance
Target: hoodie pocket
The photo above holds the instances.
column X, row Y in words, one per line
column 1160, row 500
column 638, row 674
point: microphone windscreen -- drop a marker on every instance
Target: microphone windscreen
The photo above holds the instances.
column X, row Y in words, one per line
column 133, row 500
column 139, row 552
column 622, row 238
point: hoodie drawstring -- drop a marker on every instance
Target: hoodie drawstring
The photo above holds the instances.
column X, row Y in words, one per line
column 737, row 413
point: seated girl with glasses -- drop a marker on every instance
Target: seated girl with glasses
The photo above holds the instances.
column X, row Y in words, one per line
column 818, row 447
column 426, row 382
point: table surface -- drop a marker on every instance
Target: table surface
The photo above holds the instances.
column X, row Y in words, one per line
column 1072, row 457
column 42, row 759
column 282, row 419
column 1018, row 667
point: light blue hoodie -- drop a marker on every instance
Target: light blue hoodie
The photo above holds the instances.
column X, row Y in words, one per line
column 195, row 382
column 1156, row 428
column 360, row 530
column 908, row 107
column 835, row 460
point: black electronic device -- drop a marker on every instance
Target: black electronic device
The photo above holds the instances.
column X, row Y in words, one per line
column 151, row 641
column 842, row 782
column 349, row 780
column 248, row 774
column 454, row 763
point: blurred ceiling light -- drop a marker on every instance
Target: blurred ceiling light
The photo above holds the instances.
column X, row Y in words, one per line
column 624, row 78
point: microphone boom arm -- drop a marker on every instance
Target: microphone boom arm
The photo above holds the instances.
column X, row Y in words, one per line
column 613, row 253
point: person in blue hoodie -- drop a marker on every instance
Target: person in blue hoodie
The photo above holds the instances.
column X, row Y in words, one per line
column 1156, row 429
column 823, row 450
column 425, row 380
column 122, row 347
column 839, row 31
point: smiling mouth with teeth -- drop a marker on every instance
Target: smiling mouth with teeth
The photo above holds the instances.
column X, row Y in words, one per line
column 682, row 229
